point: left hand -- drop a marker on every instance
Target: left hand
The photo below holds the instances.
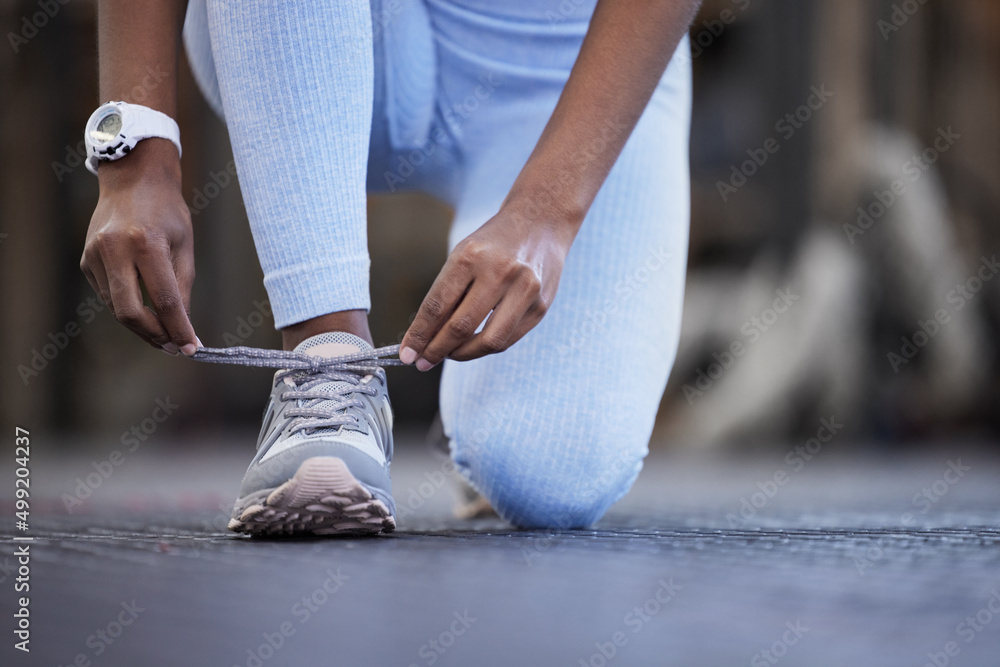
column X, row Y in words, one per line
column 510, row 266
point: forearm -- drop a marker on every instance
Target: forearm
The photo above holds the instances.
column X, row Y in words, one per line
column 139, row 42
column 140, row 238
column 623, row 57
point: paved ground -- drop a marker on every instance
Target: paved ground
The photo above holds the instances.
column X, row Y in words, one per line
column 839, row 565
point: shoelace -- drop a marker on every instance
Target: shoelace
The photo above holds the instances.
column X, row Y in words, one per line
column 319, row 409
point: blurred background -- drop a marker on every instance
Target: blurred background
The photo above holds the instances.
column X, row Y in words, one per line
column 846, row 179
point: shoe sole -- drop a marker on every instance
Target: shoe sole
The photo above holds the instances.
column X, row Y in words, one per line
column 322, row 498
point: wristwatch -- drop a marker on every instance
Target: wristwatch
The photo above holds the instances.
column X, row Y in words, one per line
column 116, row 127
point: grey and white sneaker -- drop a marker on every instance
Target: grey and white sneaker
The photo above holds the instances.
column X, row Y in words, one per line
column 323, row 454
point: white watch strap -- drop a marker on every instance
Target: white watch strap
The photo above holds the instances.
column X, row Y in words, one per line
column 155, row 124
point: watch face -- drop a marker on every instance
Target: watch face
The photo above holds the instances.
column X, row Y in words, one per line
column 107, row 128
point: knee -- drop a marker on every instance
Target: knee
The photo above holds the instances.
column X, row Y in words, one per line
column 546, row 482
column 551, row 506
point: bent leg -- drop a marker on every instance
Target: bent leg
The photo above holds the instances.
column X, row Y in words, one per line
column 295, row 81
column 554, row 430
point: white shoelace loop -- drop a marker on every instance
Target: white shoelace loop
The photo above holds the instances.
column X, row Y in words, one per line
column 255, row 356
column 319, row 409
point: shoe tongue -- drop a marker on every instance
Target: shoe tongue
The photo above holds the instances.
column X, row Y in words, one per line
column 333, row 344
column 327, row 345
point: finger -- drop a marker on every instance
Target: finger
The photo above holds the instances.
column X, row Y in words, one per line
column 91, row 279
column 522, row 307
column 498, row 333
column 184, row 270
column 527, row 323
column 129, row 308
column 444, row 296
column 169, row 305
column 106, row 298
column 460, row 327
column 166, row 349
column 93, row 268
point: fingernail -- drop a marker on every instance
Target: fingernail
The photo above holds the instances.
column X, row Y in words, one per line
column 407, row 356
column 198, row 340
column 424, row 365
column 189, row 349
column 171, row 349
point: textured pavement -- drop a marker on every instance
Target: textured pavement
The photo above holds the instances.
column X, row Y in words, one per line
column 884, row 562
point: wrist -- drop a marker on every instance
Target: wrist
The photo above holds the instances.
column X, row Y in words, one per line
column 554, row 189
column 547, row 202
column 153, row 159
column 525, row 217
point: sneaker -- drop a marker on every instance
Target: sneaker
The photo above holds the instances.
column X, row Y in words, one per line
column 323, row 453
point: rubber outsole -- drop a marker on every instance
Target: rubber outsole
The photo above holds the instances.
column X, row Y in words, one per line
column 322, row 498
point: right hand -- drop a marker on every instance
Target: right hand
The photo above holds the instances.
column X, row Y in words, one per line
column 141, row 231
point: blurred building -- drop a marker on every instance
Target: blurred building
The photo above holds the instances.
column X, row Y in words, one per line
column 848, row 153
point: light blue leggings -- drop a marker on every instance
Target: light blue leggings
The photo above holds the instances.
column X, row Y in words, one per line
column 325, row 100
